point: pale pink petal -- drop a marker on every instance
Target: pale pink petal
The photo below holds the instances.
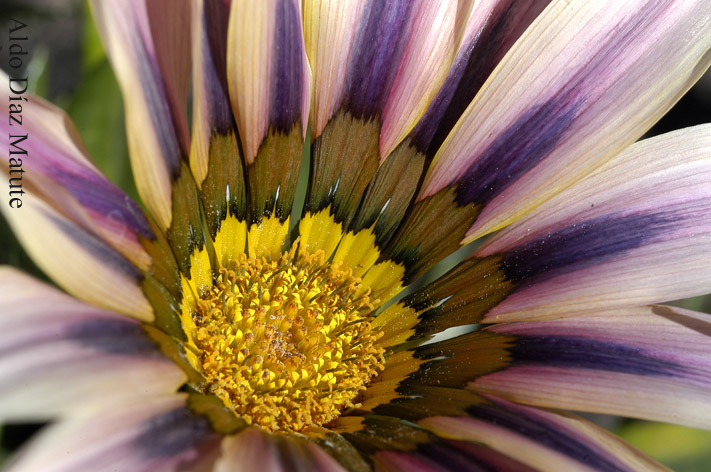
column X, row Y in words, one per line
column 541, row 439
column 330, row 29
column 379, row 59
column 425, row 61
column 644, row 362
column 59, row 355
column 585, row 81
column 155, row 435
column 637, row 231
column 254, row 449
column 246, row 451
column 211, row 106
column 489, row 29
column 448, row 456
column 268, row 74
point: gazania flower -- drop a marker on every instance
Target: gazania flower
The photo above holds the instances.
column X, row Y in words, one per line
column 226, row 328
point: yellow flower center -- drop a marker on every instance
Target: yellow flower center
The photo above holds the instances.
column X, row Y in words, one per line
column 286, row 344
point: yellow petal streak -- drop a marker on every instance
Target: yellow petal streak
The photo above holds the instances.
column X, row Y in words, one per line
column 397, row 323
column 267, row 237
column 286, row 343
column 356, row 251
column 319, row 231
column 230, row 240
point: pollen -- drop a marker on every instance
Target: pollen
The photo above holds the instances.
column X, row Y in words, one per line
column 285, row 344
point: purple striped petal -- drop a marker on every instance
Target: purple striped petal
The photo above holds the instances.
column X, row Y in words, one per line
column 268, row 75
column 379, row 43
column 49, row 337
column 634, row 232
column 78, row 261
column 329, row 34
column 212, row 114
column 249, row 449
column 584, row 82
column 491, row 29
column 423, row 66
column 448, row 456
column 150, row 52
column 252, row 449
column 645, row 362
column 269, row 83
column 52, row 161
column 379, row 59
column 159, row 434
column 541, row 439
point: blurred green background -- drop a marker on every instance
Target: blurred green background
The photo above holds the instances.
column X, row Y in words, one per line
column 69, row 68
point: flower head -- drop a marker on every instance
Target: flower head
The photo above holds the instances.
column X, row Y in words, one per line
column 228, row 328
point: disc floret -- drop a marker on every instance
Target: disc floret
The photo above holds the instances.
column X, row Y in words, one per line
column 285, row 344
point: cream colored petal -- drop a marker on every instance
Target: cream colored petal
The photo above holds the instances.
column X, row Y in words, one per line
column 78, row 261
column 150, row 53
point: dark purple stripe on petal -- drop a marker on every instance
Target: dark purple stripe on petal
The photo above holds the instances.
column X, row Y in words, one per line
column 378, row 46
column 173, row 433
column 452, row 459
column 287, row 79
column 583, row 353
column 214, row 52
column 584, row 244
column 157, row 102
column 113, row 337
column 99, row 249
column 530, row 138
column 92, row 190
column 470, row 69
column 519, row 148
column 103, row 198
column 549, row 435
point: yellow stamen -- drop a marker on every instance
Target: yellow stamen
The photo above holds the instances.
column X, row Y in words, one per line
column 285, row 344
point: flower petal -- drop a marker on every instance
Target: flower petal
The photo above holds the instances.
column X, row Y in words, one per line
column 374, row 75
column 485, row 30
column 49, row 337
column 541, row 439
column 47, row 157
column 329, row 33
column 150, row 52
column 269, row 85
column 378, row 59
column 448, row 456
column 215, row 159
column 636, row 231
column 388, row 443
column 424, row 64
column 269, row 77
column 212, row 114
column 585, row 81
column 153, row 435
column 78, row 261
column 645, row 362
column 491, row 28
column 460, row 297
column 248, row 450
column 252, row 449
